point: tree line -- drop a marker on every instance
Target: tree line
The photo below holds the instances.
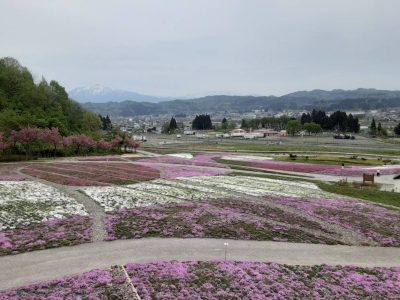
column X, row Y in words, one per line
column 337, row 121
column 35, row 142
column 202, row 122
column 277, row 123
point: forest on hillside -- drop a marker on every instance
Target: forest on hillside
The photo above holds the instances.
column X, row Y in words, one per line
column 24, row 103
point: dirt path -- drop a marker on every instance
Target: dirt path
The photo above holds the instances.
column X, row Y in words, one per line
column 94, row 209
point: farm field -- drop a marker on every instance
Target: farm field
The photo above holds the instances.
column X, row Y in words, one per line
column 182, row 196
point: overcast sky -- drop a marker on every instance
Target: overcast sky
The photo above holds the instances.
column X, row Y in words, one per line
column 191, row 48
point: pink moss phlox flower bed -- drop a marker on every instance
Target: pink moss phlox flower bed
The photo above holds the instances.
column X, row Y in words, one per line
column 100, row 158
column 12, row 177
column 216, row 280
column 336, row 170
column 359, row 170
column 222, row 218
column 9, row 171
column 377, row 223
column 67, row 231
column 174, row 171
column 96, row 284
column 205, row 160
column 84, row 174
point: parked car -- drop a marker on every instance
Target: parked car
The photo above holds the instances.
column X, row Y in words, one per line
column 344, row 136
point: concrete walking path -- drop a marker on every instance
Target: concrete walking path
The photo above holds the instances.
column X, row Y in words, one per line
column 54, row 263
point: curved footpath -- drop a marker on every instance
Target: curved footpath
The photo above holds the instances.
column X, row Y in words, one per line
column 35, row 266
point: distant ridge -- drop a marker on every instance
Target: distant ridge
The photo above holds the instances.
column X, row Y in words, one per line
column 101, row 94
column 307, row 100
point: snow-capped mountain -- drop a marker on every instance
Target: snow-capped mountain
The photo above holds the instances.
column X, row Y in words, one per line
column 101, row 94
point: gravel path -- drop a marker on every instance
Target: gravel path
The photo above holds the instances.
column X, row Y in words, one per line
column 93, row 208
column 54, row 263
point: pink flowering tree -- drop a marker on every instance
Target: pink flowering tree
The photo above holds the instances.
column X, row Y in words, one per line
column 130, row 143
column 79, row 142
column 53, row 137
column 26, row 137
column 117, row 142
column 103, row 145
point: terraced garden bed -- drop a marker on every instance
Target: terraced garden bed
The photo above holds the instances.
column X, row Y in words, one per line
column 242, row 207
column 92, row 173
column 35, row 216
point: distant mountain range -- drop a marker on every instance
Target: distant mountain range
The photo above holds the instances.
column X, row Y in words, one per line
column 359, row 99
column 102, row 94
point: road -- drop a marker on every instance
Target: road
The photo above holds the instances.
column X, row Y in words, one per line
column 58, row 262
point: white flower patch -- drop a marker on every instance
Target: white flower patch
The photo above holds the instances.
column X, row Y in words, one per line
column 27, row 202
column 169, row 191
column 279, row 187
column 182, row 155
column 228, row 187
column 163, row 191
column 211, row 192
column 246, row 158
column 115, row 197
column 256, row 186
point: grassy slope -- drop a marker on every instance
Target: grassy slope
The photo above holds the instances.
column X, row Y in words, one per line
column 270, row 176
column 369, row 194
column 334, row 160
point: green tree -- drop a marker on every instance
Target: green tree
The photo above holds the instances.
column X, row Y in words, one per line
column 293, row 127
column 172, row 124
column 224, row 124
column 312, row 128
column 244, row 124
column 26, row 104
column 372, row 127
column 202, row 122
column 396, row 130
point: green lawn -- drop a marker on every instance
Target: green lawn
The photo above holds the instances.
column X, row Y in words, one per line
column 333, row 160
column 249, row 166
column 367, row 193
column 270, row 176
column 370, row 194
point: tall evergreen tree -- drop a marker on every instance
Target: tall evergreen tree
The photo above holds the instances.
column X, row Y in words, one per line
column 372, row 127
column 306, row 118
column 172, row 124
column 202, row 122
column 396, row 130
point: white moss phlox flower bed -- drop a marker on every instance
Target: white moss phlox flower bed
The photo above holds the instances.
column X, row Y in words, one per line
column 26, row 202
column 163, row 191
